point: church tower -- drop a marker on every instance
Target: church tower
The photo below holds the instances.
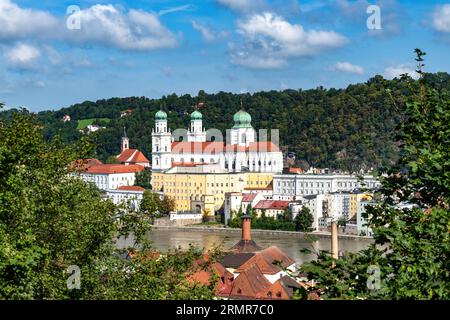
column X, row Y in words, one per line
column 125, row 141
column 242, row 132
column 161, row 143
column 196, row 133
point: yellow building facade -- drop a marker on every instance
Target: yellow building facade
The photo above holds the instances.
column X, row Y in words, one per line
column 257, row 180
column 354, row 199
column 185, row 187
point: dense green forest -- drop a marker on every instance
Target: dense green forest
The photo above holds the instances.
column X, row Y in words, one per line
column 349, row 129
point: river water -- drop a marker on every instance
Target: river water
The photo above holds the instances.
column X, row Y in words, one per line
column 165, row 239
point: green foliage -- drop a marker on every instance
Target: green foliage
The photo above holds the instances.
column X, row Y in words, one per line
column 144, row 179
column 411, row 249
column 50, row 219
column 82, row 124
column 347, row 129
column 112, row 160
column 151, row 204
column 263, row 222
column 167, row 205
column 304, row 220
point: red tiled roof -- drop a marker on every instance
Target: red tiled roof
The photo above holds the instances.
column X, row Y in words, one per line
column 84, row 164
column 132, row 156
column 115, row 168
column 131, row 188
column 273, row 253
column 203, row 276
column 266, row 267
column 219, row 147
column 266, row 261
column 248, row 197
column 282, row 289
column 187, row 164
column 295, row 170
column 249, row 283
column 272, row 204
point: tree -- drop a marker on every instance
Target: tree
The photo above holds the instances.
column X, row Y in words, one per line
column 410, row 255
column 144, row 179
column 112, row 160
column 151, row 204
column 303, row 220
column 51, row 220
column 167, row 205
column 287, row 215
column 236, row 221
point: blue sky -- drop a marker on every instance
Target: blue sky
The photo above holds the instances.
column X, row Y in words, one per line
column 158, row 47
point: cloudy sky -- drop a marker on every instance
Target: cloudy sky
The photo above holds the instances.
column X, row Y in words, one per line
column 52, row 55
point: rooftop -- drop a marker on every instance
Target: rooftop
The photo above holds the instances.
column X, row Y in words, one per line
column 114, row 168
column 272, row 204
column 132, row 156
column 131, row 188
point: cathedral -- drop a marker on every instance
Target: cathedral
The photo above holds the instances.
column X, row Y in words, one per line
column 195, row 145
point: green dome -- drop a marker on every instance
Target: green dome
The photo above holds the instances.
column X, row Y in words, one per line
column 161, row 115
column 196, row 115
column 242, row 119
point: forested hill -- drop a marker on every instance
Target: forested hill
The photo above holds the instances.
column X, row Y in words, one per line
column 346, row 129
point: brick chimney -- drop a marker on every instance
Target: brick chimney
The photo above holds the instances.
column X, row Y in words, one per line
column 246, row 228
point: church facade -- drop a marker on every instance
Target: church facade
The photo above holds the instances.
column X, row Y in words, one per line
column 241, row 153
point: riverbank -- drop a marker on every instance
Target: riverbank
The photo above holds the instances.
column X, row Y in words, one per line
column 263, row 232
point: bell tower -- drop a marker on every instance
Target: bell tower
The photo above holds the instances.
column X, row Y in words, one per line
column 125, row 141
column 161, row 143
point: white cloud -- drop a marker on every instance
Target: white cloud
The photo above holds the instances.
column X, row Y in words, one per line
column 22, row 56
column 186, row 7
column 395, row 71
column 441, row 18
column 135, row 30
column 18, row 23
column 208, row 33
column 243, row 6
column 244, row 59
column 348, row 67
column 271, row 40
column 99, row 24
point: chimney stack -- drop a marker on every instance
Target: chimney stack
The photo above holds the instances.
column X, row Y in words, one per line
column 246, row 228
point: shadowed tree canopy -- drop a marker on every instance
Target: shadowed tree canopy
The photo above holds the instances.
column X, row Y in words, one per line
column 51, row 220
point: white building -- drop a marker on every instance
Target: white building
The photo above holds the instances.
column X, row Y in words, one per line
column 111, row 176
column 243, row 153
column 266, row 192
column 237, row 200
column 293, row 187
column 361, row 221
column 127, row 195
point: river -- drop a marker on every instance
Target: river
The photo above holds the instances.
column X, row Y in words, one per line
column 164, row 239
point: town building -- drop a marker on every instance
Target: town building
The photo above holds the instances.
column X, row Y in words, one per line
column 240, row 153
column 235, row 201
column 362, row 221
column 271, row 208
column 130, row 196
column 293, row 187
column 130, row 156
column 111, row 176
column 196, row 187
